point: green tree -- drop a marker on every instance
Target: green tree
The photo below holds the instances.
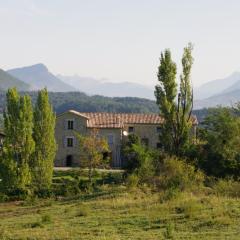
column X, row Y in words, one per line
column 18, row 144
column 92, row 148
column 139, row 158
column 27, row 143
column 175, row 107
column 220, row 155
column 45, row 150
column 131, row 162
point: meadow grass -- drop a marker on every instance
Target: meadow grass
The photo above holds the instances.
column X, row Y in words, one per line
column 116, row 213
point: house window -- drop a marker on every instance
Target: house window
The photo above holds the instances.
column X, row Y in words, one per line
column 159, row 129
column 70, row 124
column 70, row 142
column 131, row 129
column 145, row 141
column 159, row 145
column 110, row 139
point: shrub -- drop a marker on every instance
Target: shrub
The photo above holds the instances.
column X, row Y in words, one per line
column 3, row 197
column 85, row 186
column 19, row 194
column 44, row 193
column 66, row 187
column 31, row 200
column 132, row 181
column 189, row 208
column 169, row 194
column 138, row 158
column 227, row 187
column 112, row 178
column 177, row 174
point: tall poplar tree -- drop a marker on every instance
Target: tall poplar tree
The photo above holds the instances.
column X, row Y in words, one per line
column 185, row 100
column 45, row 150
column 18, row 144
column 8, row 168
column 175, row 107
column 166, row 92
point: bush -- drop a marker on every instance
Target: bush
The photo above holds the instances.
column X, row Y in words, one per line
column 177, row 174
column 3, row 197
column 189, row 208
column 112, row 178
column 138, row 159
column 132, row 181
column 227, row 187
column 66, row 187
column 85, row 186
column 31, row 200
column 44, row 193
column 169, row 194
column 19, row 194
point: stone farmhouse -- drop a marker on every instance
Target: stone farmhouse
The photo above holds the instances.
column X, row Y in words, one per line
column 113, row 126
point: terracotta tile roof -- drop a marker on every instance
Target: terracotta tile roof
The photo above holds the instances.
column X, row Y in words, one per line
column 118, row 120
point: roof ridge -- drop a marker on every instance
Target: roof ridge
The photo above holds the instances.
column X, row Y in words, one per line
column 156, row 114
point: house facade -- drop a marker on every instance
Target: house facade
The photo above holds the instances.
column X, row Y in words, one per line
column 114, row 127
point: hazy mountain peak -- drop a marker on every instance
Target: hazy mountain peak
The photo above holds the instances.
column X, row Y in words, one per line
column 38, row 76
column 39, row 67
column 223, row 92
column 217, row 86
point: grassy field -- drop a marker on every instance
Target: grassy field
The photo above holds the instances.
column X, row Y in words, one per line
column 115, row 212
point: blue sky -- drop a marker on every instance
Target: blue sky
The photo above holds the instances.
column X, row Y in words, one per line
column 120, row 40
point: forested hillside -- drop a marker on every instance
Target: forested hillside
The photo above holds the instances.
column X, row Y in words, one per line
column 84, row 103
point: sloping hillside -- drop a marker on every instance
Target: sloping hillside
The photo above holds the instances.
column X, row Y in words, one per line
column 8, row 81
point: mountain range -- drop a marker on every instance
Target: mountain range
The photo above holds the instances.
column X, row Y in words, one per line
column 225, row 91
column 93, row 86
column 217, row 86
column 38, row 76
